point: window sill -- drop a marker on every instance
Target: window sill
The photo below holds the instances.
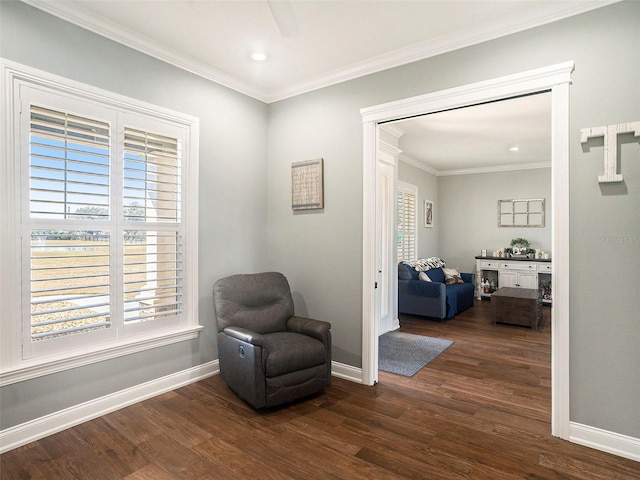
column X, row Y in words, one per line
column 79, row 359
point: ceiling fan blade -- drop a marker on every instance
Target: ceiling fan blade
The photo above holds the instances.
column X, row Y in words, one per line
column 284, row 16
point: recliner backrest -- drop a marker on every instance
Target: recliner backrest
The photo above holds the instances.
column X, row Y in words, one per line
column 260, row 302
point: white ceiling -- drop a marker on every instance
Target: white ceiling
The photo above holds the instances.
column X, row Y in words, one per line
column 479, row 138
column 338, row 40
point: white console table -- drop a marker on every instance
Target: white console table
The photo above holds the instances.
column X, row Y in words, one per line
column 514, row 272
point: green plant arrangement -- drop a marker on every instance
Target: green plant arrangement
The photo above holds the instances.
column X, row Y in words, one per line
column 520, row 246
column 520, row 242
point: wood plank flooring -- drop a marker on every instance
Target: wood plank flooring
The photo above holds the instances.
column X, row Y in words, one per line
column 481, row 410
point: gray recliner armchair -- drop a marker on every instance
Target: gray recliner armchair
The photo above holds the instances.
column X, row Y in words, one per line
column 268, row 355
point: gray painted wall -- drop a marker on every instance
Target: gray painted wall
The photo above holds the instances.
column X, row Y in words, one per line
column 233, row 191
column 427, row 190
column 468, row 219
column 323, row 251
column 466, row 212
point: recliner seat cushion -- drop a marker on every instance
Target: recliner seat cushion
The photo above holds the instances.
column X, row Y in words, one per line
column 285, row 352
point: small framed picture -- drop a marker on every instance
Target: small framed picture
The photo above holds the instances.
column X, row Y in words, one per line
column 307, row 184
column 483, row 252
column 428, row 213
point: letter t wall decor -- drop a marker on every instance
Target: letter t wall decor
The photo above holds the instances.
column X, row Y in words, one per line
column 610, row 134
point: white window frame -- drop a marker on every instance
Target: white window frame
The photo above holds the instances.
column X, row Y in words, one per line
column 408, row 188
column 14, row 367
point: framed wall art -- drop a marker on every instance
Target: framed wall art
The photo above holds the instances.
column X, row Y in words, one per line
column 428, row 213
column 527, row 212
column 307, row 184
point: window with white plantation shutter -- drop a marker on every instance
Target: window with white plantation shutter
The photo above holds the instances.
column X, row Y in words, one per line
column 407, row 222
column 104, row 191
column 69, row 179
column 152, row 197
column 71, row 171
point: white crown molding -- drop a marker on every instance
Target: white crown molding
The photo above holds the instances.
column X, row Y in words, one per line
column 420, row 51
column 403, row 157
column 428, row 49
column 496, row 168
column 393, row 130
column 136, row 41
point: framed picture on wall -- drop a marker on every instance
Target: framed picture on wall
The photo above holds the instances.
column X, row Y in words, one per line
column 307, row 184
column 428, row 213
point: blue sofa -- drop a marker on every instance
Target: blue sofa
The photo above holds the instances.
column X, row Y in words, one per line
column 433, row 299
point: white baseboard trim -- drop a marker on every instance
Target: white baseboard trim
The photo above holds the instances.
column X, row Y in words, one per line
column 38, row 428
column 610, row 442
column 347, row 372
column 13, row 437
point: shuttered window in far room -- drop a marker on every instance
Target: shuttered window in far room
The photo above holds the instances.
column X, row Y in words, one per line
column 407, row 221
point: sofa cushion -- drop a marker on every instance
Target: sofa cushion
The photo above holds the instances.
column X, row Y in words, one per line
column 424, row 277
column 407, row 272
column 404, row 271
column 436, row 275
column 452, row 275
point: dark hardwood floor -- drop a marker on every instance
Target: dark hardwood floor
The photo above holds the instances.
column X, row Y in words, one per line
column 481, row 410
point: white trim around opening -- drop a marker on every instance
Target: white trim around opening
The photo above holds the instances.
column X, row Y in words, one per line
column 555, row 78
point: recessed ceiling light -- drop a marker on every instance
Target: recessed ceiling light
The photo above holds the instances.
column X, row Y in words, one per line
column 514, row 149
column 258, row 56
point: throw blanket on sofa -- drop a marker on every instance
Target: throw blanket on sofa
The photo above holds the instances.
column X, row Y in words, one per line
column 424, row 264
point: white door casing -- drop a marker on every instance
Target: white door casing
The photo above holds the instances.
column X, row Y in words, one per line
column 386, row 304
column 555, row 78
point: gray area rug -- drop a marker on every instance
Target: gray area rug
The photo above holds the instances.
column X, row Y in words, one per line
column 405, row 354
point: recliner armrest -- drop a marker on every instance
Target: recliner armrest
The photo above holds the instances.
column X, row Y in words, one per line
column 245, row 335
column 308, row 326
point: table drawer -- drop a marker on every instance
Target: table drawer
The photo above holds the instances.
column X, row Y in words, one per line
column 519, row 266
column 545, row 267
column 489, row 264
